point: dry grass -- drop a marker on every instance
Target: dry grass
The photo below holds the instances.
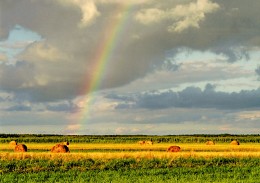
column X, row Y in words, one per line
column 254, row 147
column 121, row 155
column 151, row 151
column 163, row 147
column 156, row 147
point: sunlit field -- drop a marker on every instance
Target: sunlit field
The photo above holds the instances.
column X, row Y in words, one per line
column 109, row 151
column 131, row 162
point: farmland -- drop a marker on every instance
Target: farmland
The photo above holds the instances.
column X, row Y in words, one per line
column 121, row 159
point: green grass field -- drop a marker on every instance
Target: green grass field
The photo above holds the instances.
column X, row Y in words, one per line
column 131, row 162
column 190, row 169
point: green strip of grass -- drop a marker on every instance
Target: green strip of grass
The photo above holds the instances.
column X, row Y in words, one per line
column 156, row 175
column 38, row 165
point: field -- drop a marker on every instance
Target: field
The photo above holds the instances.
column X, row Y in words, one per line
column 121, row 159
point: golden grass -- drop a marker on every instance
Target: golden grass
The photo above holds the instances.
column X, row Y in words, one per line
column 122, row 155
column 156, row 147
column 126, row 151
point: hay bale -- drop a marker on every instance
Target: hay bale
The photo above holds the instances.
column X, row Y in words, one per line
column 65, row 143
column 20, row 148
column 234, row 142
column 141, row 142
column 173, row 149
column 12, row 143
column 149, row 142
column 210, row 142
column 60, row 148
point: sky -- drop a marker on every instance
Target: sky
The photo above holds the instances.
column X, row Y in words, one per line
column 97, row 67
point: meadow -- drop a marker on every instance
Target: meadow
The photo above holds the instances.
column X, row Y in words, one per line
column 117, row 160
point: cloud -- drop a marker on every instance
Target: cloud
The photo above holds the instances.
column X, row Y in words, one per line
column 15, row 45
column 30, row 82
column 2, row 99
column 123, row 2
column 183, row 16
column 58, row 66
column 3, row 57
column 62, row 107
column 72, row 129
column 233, row 54
column 39, row 51
column 21, row 108
column 88, row 9
column 193, row 97
column 197, row 70
column 16, row 76
column 151, row 15
column 257, row 70
column 251, row 115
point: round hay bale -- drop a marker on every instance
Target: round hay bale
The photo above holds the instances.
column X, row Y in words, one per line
column 13, row 142
column 149, row 142
column 173, row 149
column 60, row 148
column 210, row 142
column 141, row 142
column 234, row 142
column 20, row 148
column 65, row 143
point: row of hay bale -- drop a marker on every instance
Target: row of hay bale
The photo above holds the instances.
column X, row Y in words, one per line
column 63, row 147
column 169, row 149
column 178, row 149
column 149, row 142
column 145, row 142
column 233, row 142
column 58, row 148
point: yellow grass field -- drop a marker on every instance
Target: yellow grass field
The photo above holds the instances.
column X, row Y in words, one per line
column 110, row 151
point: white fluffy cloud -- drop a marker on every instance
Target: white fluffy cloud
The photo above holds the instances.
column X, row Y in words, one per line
column 88, row 9
column 151, row 15
column 182, row 16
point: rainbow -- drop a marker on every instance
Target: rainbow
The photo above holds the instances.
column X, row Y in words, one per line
column 104, row 53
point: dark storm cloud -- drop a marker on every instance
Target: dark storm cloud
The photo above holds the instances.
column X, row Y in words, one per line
column 194, row 97
column 62, row 107
column 2, row 99
column 16, row 76
column 22, row 108
column 232, row 54
column 257, row 70
column 116, row 96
